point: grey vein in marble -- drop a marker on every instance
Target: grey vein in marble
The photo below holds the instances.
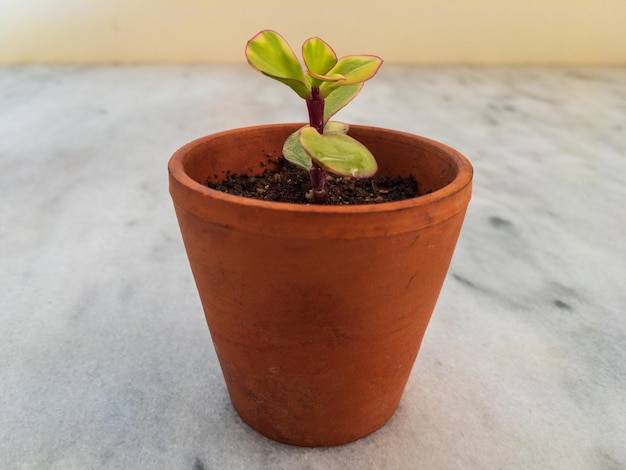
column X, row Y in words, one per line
column 105, row 359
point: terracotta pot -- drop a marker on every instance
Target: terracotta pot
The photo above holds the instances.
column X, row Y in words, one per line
column 317, row 312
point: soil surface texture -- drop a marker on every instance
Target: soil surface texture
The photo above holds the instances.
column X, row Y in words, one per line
column 292, row 184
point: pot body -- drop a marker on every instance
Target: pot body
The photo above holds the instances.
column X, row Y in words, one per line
column 317, row 313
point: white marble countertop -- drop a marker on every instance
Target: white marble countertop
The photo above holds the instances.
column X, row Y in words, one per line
column 105, row 359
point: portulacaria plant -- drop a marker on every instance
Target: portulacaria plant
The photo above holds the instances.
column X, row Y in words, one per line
column 327, row 84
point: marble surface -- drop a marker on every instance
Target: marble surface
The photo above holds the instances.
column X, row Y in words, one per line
column 105, row 359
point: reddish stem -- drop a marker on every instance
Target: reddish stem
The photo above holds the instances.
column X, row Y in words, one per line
column 315, row 106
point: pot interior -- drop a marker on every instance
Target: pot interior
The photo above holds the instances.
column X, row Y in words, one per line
column 252, row 151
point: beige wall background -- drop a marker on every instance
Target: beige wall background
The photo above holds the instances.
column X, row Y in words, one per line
column 401, row 31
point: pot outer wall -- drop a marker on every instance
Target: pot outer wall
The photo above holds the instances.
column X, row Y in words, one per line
column 317, row 313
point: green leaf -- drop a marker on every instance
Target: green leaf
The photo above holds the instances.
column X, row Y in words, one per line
column 340, row 97
column 270, row 54
column 357, row 68
column 336, row 126
column 354, row 69
column 295, row 153
column 338, row 153
column 318, row 56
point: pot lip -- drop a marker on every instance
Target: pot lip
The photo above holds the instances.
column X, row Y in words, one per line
column 462, row 180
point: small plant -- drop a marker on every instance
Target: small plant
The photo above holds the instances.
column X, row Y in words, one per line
column 327, row 84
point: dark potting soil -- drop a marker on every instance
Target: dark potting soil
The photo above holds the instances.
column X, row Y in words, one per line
column 292, row 184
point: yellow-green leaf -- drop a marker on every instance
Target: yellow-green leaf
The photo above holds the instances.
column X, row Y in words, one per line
column 340, row 97
column 336, row 126
column 270, row 54
column 338, row 153
column 295, row 153
column 318, row 56
column 354, row 69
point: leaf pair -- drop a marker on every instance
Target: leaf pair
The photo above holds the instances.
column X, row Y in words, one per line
column 270, row 54
column 333, row 82
column 329, row 73
column 333, row 151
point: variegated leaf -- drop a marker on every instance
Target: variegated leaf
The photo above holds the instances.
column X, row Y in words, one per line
column 338, row 153
column 270, row 54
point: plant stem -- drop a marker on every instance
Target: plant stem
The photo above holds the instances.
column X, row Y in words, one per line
column 315, row 106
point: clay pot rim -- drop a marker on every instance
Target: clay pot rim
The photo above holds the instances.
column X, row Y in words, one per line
column 460, row 182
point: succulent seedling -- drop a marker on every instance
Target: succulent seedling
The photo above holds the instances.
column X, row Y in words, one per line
column 327, row 84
